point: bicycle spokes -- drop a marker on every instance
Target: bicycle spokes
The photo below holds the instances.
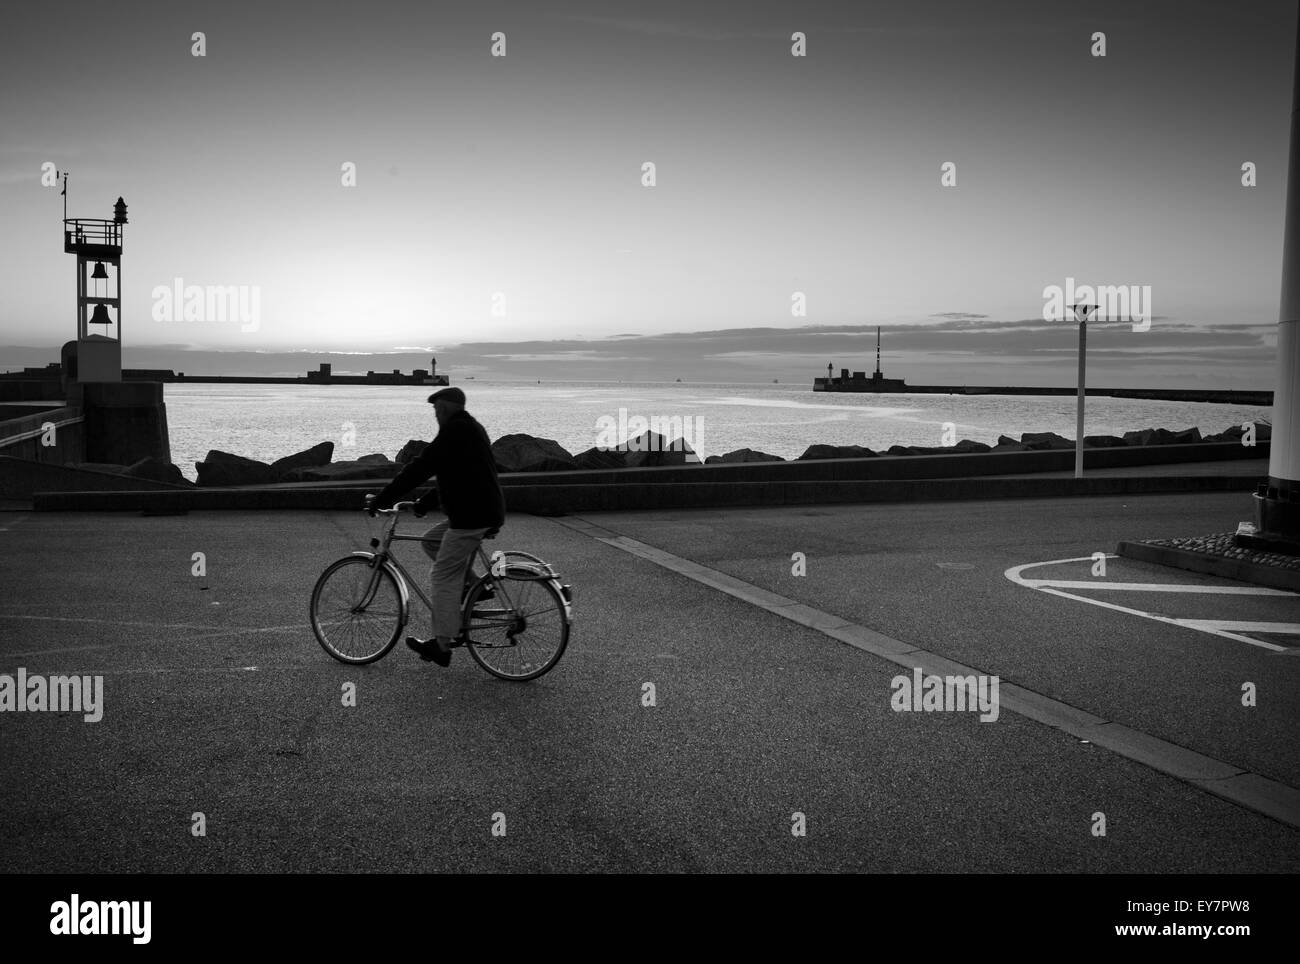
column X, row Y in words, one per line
column 529, row 635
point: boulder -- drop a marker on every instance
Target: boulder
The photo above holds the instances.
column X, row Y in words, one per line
column 222, row 468
column 1263, row 432
column 743, row 455
column 1007, row 440
column 651, row 449
column 962, row 447
column 836, row 452
column 598, row 458
column 316, row 455
column 372, row 458
column 157, row 470
column 691, row 456
column 1045, row 440
column 99, row 467
column 1006, row 444
column 343, row 472
column 524, row 453
column 1162, row 436
column 1144, row 436
column 411, row 451
column 1102, row 441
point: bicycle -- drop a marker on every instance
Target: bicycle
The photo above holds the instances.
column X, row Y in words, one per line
column 361, row 604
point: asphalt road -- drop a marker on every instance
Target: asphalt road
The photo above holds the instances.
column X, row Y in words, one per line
column 219, row 701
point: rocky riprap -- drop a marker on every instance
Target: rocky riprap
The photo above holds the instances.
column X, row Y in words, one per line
column 520, row 452
column 1223, row 544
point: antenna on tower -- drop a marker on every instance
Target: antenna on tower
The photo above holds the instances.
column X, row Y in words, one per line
column 877, row 351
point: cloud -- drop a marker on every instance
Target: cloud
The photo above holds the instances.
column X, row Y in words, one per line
column 660, row 28
column 562, row 356
column 955, row 348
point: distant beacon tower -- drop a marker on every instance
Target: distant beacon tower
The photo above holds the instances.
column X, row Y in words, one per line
column 98, row 355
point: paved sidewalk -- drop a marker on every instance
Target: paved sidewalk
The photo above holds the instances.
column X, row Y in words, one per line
column 218, row 700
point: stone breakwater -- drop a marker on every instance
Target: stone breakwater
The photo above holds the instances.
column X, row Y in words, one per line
column 526, row 453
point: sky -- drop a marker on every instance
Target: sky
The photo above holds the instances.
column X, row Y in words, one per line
column 500, row 215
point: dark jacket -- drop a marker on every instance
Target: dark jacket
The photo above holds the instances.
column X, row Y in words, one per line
column 461, row 458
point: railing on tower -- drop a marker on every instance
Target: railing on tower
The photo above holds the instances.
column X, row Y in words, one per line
column 92, row 236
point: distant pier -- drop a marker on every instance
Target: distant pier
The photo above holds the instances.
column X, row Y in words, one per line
column 878, row 384
column 899, row 387
column 322, row 376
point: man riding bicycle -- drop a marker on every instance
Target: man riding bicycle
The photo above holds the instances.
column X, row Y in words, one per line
column 461, row 458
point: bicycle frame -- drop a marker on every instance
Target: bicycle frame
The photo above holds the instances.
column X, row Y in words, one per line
column 383, row 557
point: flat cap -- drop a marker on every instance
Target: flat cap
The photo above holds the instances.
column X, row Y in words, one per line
column 448, row 395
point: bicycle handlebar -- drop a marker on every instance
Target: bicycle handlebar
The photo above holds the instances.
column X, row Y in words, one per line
column 398, row 507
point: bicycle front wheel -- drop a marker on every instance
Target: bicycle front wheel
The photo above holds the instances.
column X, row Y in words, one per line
column 519, row 634
column 356, row 611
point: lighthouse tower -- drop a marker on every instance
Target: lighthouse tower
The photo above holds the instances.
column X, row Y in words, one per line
column 123, row 421
column 96, row 356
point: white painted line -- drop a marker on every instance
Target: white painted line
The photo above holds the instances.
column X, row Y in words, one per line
column 1171, row 620
column 1282, row 629
column 158, row 670
column 108, row 622
column 43, row 652
column 301, row 627
column 1155, row 587
column 1042, row 585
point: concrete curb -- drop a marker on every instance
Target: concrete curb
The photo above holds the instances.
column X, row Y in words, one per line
column 1224, row 780
column 1238, row 569
column 559, row 499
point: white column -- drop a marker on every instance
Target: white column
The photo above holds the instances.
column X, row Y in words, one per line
column 1284, row 451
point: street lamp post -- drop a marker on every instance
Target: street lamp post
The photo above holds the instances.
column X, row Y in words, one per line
column 1081, row 312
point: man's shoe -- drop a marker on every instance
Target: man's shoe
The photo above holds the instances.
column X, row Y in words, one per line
column 430, row 651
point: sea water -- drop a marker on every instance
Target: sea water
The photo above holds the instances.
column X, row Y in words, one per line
column 267, row 422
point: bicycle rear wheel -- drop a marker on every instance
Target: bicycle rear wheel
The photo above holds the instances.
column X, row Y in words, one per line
column 356, row 611
column 522, row 632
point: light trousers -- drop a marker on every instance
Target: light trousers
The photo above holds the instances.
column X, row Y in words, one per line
column 452, row 552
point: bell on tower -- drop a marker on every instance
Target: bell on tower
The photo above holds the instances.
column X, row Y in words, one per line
column 98, row 353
